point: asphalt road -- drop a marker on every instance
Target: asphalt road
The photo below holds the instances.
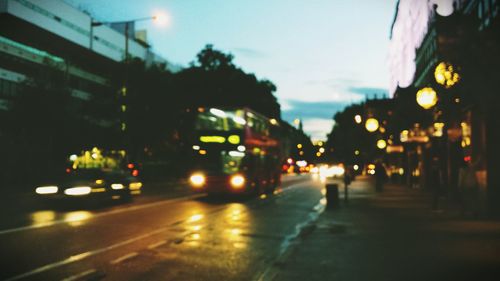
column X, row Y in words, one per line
column 166, row 234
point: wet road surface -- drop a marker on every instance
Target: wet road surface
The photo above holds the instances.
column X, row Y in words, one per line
column 173, row 237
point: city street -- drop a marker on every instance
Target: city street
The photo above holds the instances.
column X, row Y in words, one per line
column 249, row 140
column 190, row 237
column 289, row 235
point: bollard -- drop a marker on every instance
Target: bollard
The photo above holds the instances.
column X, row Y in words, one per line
column 332, row 195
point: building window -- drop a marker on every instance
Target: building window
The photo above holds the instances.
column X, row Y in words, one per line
column 8, row 88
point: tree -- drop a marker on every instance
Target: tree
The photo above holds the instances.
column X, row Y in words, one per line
column 210, row 59
column 215, row 81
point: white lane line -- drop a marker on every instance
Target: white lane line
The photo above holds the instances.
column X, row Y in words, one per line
column 82, row 256
column 125, row 257
column 113, row 212
column 157, row 244
column 80, row 275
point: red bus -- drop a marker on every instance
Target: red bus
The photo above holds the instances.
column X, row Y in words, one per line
column 234, row 151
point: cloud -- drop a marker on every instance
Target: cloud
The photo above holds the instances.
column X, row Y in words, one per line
column 334, row 83
column 339, row 89
column 317, row 128
column 250, row 53
column 317, row 117
column 369, row 91
column 302, row 109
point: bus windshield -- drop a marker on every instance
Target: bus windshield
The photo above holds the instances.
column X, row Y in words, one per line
column 217, row 161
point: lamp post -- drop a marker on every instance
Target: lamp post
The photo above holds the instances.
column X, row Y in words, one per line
column 442, row 159
column 127, row 142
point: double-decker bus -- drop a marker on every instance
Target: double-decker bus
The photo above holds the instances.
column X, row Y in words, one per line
column 234, row 151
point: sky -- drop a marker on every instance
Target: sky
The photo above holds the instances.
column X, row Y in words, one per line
column 321, row 54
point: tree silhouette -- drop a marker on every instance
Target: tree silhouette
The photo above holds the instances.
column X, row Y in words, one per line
column 210, row 59
column 215, row 81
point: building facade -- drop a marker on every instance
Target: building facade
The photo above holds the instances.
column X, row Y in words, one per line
column 453, row 49
column 50, row 36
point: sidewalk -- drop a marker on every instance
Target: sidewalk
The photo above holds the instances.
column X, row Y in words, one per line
column 394, row 235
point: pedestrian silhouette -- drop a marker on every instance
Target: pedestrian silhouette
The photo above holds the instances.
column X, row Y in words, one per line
column 380, row 176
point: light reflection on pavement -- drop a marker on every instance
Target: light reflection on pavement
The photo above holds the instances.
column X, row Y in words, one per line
column 217, row 239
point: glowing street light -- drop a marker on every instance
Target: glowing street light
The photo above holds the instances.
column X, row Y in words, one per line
column 381, row 144
column 161, row 18
column 358, row 119
column 371, row 125
column 427, row 97
column 446, row 75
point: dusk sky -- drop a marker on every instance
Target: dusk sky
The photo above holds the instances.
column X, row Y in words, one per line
column 322, row 54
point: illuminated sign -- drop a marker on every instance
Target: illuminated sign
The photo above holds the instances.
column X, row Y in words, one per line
column 233, row 139
column 217, row 139
column 395, row 149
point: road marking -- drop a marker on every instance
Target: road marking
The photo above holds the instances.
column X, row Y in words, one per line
column 156, row 245
column 79, row 257
column 125, row 257
column 82, row 256
column 80, row 275
column 113, row 212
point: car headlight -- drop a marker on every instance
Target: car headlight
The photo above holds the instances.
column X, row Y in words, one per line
column 237, row 181
column 197, row 179
column 78, row 190
column 117, row 186
column 51, row 189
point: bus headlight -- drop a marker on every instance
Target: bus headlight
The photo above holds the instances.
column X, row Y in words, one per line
column 237, row 181
column 197, row 180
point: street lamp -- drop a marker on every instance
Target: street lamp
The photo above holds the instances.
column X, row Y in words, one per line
column 127, row 25
column 371, row 125
column 446, row 75
column 296, row 121
column 381, row 144
column 427, row 97
column 358, row 119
